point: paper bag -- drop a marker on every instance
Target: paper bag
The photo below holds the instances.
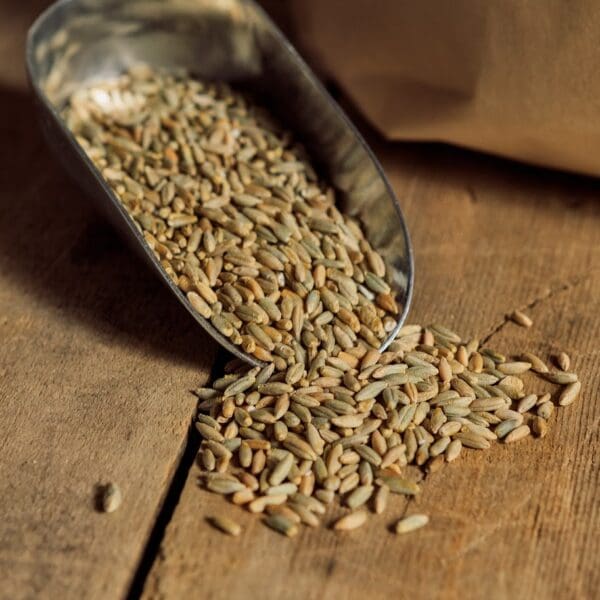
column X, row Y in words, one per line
column 512, row 77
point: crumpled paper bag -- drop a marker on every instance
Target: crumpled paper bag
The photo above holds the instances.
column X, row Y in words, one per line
column 511, row 77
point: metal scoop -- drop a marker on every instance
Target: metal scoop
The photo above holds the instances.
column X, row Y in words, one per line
column 77, row 42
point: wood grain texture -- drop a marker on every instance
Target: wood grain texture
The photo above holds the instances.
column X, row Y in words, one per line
column 517, row 521
column 96, row 364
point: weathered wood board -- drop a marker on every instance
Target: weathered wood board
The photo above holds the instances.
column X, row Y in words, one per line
column 518, row 521
column 97, row 364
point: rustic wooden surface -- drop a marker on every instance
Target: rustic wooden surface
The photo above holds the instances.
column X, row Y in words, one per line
column 517, row 521
column 96, row 364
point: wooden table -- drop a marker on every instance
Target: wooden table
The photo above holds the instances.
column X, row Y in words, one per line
column 97, row 363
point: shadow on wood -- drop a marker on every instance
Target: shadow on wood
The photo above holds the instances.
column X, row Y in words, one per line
column 54, row 246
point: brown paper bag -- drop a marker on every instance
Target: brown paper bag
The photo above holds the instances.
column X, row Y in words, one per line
column 519, row 78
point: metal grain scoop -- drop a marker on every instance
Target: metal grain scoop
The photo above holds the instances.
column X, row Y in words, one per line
column 77, row 42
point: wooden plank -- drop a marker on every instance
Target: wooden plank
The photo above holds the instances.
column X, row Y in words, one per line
column 96, row 364
column 520, row 521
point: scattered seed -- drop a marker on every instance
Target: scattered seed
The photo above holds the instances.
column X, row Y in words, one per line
column 222, row 485
column 517, row 434
column 259, row 504
column 111, row 498
column 306, row 516
column 359, row 496
column 560, row 377
column 281, row 471
column 514, row 368
column 199, row 305
column 537, row 364
column 208, row 459
column 285, row 511
column 411, row 523
column 539, row 426
column 371, row 390
column 208, row 432
column 527, row 403
column 504, row 428
column 563, row 361
column 545, row 410
column 520, row 318
column 453, row 450
column 381, row 499
column 569, row 393
column 352, row 521
column 445, row 370
column 243, row 496
column 400, row 485
column 225, row 525
column 282, row 525
column 472, row 440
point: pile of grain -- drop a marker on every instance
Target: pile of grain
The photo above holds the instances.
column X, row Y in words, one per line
column 289, row 443
column 236, row 216
column 233, row 210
